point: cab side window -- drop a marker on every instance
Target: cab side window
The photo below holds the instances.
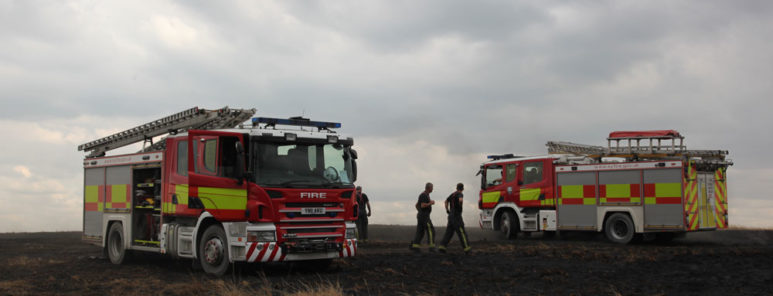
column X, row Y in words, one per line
column 182, row 158
column 532, row 172
column 510, row 169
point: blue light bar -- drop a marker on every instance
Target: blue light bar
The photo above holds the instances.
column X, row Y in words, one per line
column 503, row 156
column 296, row 121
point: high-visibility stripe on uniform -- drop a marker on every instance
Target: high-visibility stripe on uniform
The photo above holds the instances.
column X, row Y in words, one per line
column 663, row 193
column 577, row 195
column 619, row 193
column 223, row 198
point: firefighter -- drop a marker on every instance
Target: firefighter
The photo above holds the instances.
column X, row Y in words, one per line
column 362, row 216
column 453, row 206
column 424, row 223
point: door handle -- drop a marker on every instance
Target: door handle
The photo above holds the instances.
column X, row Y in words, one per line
column 174, row 198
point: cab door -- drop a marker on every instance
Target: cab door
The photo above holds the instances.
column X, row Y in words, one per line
column 216, row 178
column 492, row 187
column 533, row 184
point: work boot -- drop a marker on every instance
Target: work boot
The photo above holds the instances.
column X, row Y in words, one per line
column 441, row 249
column 467, row 250
column 414, row 247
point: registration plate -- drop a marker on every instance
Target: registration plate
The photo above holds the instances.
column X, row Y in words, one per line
column 312, row 211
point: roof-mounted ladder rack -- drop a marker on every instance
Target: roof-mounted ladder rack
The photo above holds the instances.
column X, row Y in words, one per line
column 193, row 118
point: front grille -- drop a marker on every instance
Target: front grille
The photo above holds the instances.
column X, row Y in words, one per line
column 312, row 204
column 312, row 230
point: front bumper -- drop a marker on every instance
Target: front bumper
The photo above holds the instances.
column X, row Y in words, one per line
column 487, row 219
column 278, row 252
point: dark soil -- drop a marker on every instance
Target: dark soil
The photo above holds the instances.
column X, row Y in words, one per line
column 731, row 262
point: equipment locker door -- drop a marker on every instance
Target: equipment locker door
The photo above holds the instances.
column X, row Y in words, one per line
column 215, row 174
column 706, row 200
column 577, row 194
column 663, row 207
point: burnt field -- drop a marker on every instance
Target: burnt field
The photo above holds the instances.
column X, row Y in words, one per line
column 728, row 262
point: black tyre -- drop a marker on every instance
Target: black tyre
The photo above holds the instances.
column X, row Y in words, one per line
column 619, row 228
column 548, row 234
column 116, row 250
column 213, row 251
column 509, row 225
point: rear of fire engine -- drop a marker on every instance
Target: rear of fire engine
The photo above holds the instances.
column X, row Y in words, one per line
column 219, row 194
column 643, row 185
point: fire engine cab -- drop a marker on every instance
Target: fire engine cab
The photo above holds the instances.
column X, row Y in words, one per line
column 644, row 184
column 217, row 191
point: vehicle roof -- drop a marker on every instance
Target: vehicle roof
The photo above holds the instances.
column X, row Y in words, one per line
column 308, row 133
column 507, row 160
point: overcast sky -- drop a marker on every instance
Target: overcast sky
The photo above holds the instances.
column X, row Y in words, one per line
column 427, row 88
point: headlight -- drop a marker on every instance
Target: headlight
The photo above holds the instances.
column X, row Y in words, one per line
column 349, row 233
column 261, row 236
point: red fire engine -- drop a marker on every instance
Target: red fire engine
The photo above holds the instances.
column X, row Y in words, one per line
column 644, row 184
column 218, row 192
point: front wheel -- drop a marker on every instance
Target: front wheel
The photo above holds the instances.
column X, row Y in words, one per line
column 213, row 251
column 619, row 228
column 116, row 250
column 509, row 225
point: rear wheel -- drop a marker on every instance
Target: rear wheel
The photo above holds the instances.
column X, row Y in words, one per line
column 509, row 225
column 619, row 228
column 116, row 249
column 213, row 251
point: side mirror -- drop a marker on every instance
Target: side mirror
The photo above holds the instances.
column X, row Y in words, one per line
column 354, row 170
column 520, row 183
column 354, row 153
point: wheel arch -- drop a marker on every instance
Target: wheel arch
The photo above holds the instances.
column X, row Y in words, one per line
column 205, row 220
column 635, row 216
column 108, row 221
column 500, row 209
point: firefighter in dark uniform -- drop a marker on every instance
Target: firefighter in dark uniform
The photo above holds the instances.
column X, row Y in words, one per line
column 424, row 223
column 362, row 215
column 453, row 206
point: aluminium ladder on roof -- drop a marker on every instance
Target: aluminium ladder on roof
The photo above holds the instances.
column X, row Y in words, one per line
column 193, row 118
column 647, row 151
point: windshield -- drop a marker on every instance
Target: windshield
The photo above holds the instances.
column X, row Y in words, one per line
column 298, row 165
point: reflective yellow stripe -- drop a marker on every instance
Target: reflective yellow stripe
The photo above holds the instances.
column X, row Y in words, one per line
column 182, row 195
column 668, row 189
column 223, row 198
column 530, row 194
column 490, row 196
column 119, row 193
column 589, row 201
column 618, row 190
column 464, row 237
column 570, row 191
column 92, row 193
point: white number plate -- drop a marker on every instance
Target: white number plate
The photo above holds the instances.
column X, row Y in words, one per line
column 312, row 211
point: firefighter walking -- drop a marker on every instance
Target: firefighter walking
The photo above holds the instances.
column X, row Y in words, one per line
column 362, row 215
column 453, row 207
column 423, row 221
